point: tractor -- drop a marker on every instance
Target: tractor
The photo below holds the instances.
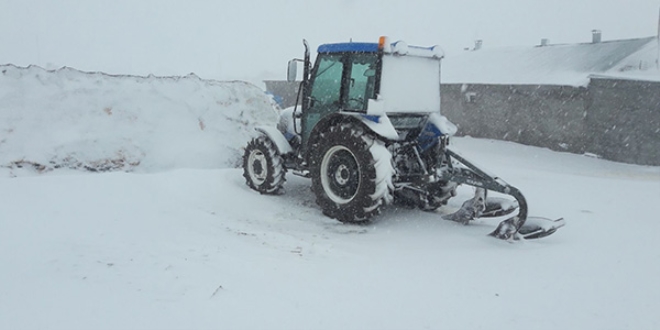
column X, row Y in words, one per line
column 369, row 133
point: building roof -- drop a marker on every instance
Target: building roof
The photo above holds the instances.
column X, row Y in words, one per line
column 564, row 64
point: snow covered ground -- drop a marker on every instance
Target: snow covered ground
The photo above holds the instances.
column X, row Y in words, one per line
column 187, row 245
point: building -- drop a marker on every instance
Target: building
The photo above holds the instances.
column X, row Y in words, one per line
column 600, row 98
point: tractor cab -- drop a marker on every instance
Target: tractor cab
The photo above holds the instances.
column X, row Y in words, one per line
column 369, row 80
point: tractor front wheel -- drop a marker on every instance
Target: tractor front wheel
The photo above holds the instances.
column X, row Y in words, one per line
column 263, row 167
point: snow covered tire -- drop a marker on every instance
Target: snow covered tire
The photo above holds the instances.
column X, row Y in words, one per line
column 263, row 167
column 351, row 174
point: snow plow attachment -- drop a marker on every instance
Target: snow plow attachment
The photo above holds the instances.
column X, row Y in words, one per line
column 516, row 227
column 537, row 227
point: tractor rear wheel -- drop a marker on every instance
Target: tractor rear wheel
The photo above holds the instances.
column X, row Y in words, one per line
column 263, row 167
column 351, row 173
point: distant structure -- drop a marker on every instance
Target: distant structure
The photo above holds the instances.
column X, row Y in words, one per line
column 283, row 91
column 601, row 97
column 596, row 36
column 477, row 44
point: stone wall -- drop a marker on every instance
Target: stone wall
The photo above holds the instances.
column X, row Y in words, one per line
column 545, row 116
column 616, row 119
column 623, row 120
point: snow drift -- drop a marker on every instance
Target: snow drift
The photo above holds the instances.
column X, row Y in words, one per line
column 98, row 122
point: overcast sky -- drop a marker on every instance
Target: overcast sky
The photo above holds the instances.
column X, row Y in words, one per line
column 252, row 40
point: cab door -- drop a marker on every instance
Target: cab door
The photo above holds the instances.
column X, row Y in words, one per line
column 325, row 94
column 342, row 81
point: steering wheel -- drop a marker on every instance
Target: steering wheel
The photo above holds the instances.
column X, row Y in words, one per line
column 356, row 103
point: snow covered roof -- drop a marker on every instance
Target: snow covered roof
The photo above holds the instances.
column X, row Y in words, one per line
column 565, row 64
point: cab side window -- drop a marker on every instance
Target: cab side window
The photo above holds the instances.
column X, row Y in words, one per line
column 362, row 81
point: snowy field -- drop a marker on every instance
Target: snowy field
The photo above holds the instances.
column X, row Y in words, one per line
column 188, row 245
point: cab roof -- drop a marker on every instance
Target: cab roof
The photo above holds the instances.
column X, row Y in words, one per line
column 398, row 48
column 361, row 47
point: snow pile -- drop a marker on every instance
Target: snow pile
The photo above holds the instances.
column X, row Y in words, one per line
column 93, row 121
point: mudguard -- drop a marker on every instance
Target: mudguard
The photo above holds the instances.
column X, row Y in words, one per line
column 379, row 124
column 282, row 145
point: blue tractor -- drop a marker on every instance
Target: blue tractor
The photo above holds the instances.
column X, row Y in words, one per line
column 369, row 133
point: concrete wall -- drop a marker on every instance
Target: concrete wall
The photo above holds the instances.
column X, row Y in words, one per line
column 545, row 116
column 616, row 119
column 623, row 119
